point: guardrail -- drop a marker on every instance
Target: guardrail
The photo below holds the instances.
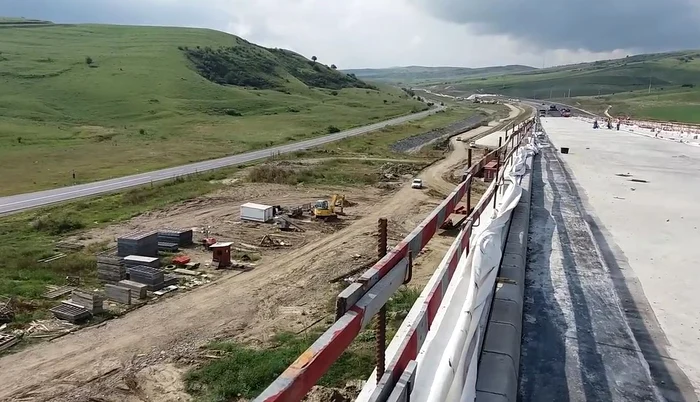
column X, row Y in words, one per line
column 360, row 301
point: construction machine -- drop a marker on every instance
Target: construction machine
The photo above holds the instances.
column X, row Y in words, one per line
column 324, row 209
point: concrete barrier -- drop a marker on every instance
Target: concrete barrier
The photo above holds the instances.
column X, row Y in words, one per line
column 499, row 366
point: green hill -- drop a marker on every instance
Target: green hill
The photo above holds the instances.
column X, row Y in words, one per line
column 624, row 83
column 417, row 74
column 105, row 101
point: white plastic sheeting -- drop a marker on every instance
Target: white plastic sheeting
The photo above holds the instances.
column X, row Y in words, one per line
column 446, row 362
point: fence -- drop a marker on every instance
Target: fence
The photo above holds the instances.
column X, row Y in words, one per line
column 359, row 302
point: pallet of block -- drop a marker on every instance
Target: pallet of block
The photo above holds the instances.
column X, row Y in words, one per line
column 88, row 300
column 71, row 312
column 119, row 294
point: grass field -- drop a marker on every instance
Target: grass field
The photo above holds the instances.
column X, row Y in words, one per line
column 622, row 83
column 142, row 104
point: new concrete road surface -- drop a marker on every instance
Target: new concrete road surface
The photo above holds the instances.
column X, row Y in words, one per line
column 614, row 246
column 22, row 202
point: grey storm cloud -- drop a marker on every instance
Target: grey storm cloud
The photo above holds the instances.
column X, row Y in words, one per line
column 136, row 12
column 594, row 25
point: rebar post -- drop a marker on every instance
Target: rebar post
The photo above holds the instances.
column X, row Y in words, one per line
column 380, row 329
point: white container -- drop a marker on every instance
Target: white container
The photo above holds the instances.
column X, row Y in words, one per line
column 256, row 212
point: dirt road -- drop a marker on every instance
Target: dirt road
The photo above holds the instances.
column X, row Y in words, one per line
column 142, row 355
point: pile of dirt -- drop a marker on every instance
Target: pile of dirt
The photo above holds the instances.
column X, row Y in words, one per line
column 322, row 394
column 419, row 140
column 393, row 171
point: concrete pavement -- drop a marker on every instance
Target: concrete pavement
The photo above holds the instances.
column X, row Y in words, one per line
column 622, row 215
column 21, row 202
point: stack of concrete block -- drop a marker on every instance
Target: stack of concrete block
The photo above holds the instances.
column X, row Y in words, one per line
column 140, row 260
column 88, row 300
column 138, row 290
column 118, row 293
column 180, row 237
column 110, row 268
column 138, row 243
column 70, row 312
column 153, row 277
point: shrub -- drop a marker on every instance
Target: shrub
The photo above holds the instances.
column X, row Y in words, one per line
column 232, row 112
column 334, row 93
column 88, row 60
column 332, row 129
column 57, row 225
column 142, row 131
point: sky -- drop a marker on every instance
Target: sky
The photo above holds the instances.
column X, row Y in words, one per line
column 387, row 33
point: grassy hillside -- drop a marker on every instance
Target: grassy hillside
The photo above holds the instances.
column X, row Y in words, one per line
column 623, row 83
column 105, row 101
column 416, row 74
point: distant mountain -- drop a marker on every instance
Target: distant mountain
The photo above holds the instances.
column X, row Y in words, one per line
column 419, row 74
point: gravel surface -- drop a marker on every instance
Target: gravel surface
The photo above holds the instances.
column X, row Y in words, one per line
column 418, row 140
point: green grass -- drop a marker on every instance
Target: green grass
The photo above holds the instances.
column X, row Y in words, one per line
column 143, row 105
column 28, row 237
column 378, row 144
column 623, row 83
column 246, row 371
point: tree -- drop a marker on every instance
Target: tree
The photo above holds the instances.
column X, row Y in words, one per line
column 314, row 58
column 88, row 60
column 334, row 67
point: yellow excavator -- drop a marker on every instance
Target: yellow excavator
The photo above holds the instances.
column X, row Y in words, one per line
column 324, row 209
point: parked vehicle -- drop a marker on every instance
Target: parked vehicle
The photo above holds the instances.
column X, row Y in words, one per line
column 417, row 183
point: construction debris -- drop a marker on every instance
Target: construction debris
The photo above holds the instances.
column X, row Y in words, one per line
column 168, row 289
column 118, row 294
column 192, row 265
column 169, row 280
column 138, row 243
column 182, row 260
column 58, row 292
column 6, row 312
column 269, row 241
column 7, row 341
column 88, row 300
column 48, row 328
column 52, row 258
column 138, row 290
column 285, row 224
column 186, row 272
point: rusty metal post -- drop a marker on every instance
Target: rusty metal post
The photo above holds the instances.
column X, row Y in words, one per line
column 469, row 188
column 498, row 170
column 380, row 330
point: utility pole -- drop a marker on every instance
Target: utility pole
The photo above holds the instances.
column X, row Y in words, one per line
column 550, row 93
column 650, row 83
column 569, row 93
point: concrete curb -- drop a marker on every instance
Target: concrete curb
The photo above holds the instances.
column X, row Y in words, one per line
column 499, row 365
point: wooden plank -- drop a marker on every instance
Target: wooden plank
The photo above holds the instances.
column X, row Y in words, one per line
column 56, row 293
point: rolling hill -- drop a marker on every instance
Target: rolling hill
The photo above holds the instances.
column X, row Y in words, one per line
column 422, row 75
column 663, row 86
column 104, row 101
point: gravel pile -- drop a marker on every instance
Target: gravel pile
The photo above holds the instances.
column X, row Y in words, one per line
column 418, row 140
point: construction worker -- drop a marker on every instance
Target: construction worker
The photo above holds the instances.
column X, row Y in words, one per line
column 595, row 123
column 618, row 125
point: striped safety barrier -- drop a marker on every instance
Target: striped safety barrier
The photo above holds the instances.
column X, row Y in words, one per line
column 358, row 303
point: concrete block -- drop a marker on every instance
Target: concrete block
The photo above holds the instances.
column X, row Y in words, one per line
column 497, row 376
column 118, row 293
column 514, row 273
column 509, row 292
column 511, row 259
column 507, row 312
column 138, row 290
column 503, row 338
column 489, row 397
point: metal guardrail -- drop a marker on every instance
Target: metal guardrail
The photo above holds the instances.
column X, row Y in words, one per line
column 360, row 301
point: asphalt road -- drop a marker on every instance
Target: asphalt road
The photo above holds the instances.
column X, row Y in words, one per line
column 21, row 202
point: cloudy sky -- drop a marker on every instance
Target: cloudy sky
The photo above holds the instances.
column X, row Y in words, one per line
column 384, row 33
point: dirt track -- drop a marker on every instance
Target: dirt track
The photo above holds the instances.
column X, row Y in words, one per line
column 141, row 356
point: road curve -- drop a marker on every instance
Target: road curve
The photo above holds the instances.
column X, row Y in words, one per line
column 21, row 202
